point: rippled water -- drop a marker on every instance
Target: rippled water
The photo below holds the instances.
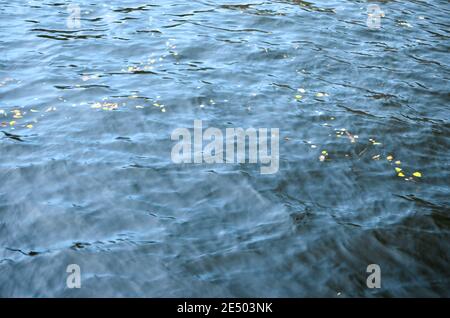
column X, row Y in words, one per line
column 87, row 178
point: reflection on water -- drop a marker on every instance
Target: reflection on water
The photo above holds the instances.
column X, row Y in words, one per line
column 86, row 175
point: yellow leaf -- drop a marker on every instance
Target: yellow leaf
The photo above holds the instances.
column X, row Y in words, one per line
column 398, row 169
column 298, row 97
column 390, row 158
column 398, row 162
column 401, row 174
column 417, row 174
column 30, row 126
column 12, row 123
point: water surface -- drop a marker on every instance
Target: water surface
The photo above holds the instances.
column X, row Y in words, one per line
column 87, row 177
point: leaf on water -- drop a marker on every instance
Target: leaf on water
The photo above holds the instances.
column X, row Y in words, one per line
column 398, row 162
column 301, row 90
column 12, row 122
column 398, row 169
column 401, row 174
column 29, row 126
column 298, row 97
column 320, row 94
column 390, row 158
column 417, row 174
column 376, row 157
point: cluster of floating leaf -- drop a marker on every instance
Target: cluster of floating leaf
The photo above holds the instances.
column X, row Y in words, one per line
column 15, row 118
column 399, row 170
column 343, row 132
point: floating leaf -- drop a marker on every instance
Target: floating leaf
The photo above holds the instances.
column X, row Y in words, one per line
column 417, row 174
column 29, row 126
column 298, row 97
column 401, row 174
column 390, row 158
column 398, row 162
column 398, row 169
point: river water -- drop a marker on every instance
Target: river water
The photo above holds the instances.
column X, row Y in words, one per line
column 87, row 108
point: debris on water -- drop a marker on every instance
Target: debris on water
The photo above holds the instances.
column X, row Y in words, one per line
column 298, row 97
column 105, row 106
column 29, row 126
column 376, row 157
column 398, row 162
column 389, row 158
column 417, row 174
column 324, row 155
column 301, row 90
column 374, row 142
column 351, row 137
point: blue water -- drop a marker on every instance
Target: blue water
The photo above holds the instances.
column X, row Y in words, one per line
column 86, row 175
